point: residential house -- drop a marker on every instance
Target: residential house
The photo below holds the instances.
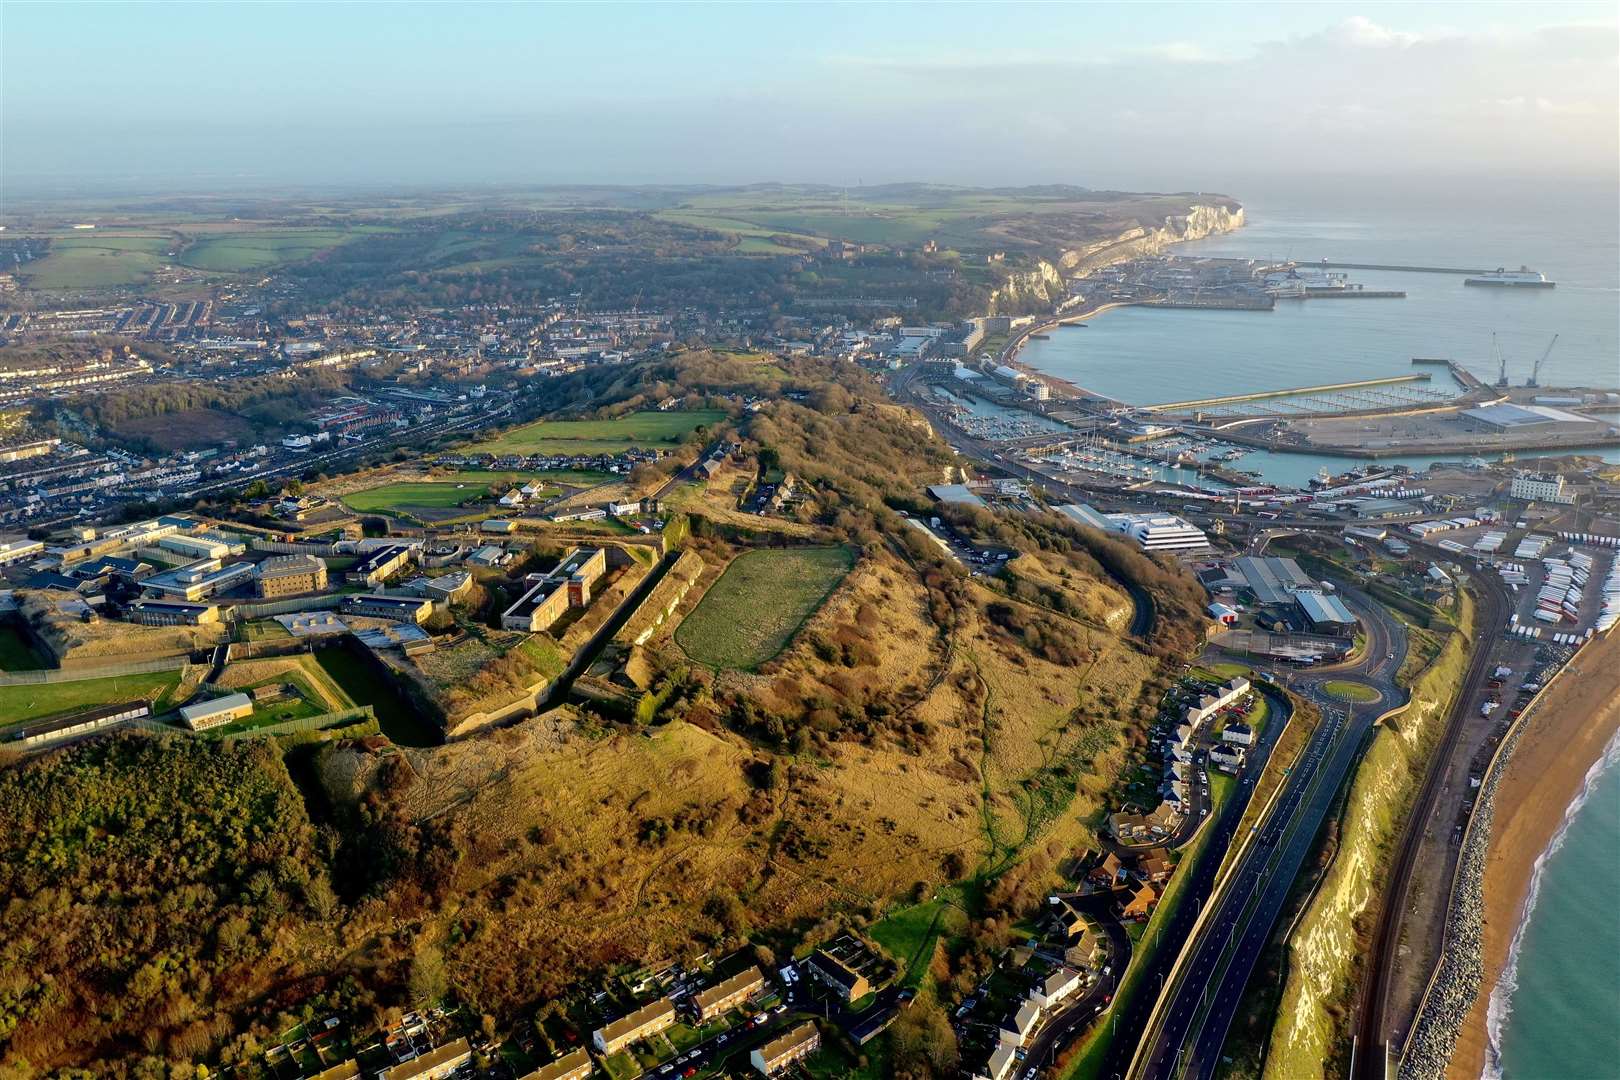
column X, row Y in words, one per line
column 1018, row 1027
column 1142, row 901
column 1237, row 734
column 574, row 1065
column 722, row 997
column 1055, row 988
column 782, row 1051
column 1154, row 865
column 433, row 1065
column 1107, row 872
column 1003, row 1063
column 838, row 976
column 648, row 1020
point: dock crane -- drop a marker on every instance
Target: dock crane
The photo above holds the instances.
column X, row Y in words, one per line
column 1535, row 373
column 1501, row 362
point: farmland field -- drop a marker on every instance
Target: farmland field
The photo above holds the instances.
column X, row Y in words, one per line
column 757, row 605
column 261, row 248
column 98, row 260
column 649, row 429
column 19, row 703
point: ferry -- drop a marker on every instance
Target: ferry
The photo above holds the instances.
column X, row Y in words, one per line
column 1522, row 278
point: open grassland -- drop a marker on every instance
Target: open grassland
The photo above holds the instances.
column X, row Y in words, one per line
column 19, row 703
column 643, row 429
column 589, row 848
column 905, row 215
column 96, row 260
column 759, row 603
column 259, row 249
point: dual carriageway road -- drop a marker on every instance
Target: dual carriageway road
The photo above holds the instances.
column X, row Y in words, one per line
column 1189, row 1026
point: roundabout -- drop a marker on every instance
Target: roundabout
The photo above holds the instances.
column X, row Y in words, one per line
column 1356, row 693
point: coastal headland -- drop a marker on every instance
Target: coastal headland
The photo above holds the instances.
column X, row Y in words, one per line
column 1548, row 769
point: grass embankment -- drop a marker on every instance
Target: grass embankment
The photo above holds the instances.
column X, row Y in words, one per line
column 758, row 604
column 1325, row 955
column 365, row 685
column 1284, row 755
column 15, row 652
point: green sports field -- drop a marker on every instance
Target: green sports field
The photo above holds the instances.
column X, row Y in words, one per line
column 759, row 603
column 644, row 429
column 18, row 703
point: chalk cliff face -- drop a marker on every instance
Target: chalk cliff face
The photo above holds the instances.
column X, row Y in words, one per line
column 1035, row 289
column 1197, row 223
column 1042, row 286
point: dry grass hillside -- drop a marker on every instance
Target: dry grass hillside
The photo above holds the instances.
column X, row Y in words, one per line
column 939, row 753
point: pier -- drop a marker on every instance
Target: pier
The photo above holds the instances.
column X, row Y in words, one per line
column 1303, row 391
column 1398, row 269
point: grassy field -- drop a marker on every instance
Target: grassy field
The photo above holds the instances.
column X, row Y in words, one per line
column 428, row 496
column 909, row 935
column 649, row 429
column 15, row 652
column 261, row 248
column 761, row 600
column 19, row 703
column 94, row 260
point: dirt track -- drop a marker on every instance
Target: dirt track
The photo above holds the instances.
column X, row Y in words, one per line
column 1567, row 734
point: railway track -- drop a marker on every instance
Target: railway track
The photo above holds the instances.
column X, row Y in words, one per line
column 1370, row 1059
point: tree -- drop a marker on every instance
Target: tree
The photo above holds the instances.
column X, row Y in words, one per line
column 429, row 980
column 924, row 1043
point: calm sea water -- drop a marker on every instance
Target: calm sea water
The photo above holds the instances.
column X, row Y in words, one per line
column 1554, row 1015
column 1570, row 232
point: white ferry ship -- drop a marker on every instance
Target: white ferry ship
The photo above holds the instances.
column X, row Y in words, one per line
column 1522, row 278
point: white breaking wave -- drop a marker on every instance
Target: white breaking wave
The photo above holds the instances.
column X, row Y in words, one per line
column 1500, row 1006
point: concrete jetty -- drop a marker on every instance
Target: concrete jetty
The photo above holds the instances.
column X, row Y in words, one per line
column 1393, row 266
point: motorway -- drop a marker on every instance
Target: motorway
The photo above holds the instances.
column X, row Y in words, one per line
column 1216, row 964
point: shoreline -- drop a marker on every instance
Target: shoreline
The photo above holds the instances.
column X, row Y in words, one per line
column 1550, row 770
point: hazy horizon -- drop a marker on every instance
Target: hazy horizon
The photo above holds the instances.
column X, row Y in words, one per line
column 235, row 98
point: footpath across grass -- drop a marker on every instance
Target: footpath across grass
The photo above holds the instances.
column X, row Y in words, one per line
column 759, row 603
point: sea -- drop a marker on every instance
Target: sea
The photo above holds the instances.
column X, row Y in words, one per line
column 1553, row 1015
column 1557, row 1014
column 1569, row 231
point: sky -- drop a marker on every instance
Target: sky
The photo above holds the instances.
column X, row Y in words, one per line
column 153, row 97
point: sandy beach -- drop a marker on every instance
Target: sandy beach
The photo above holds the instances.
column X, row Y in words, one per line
column 1564, row 738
